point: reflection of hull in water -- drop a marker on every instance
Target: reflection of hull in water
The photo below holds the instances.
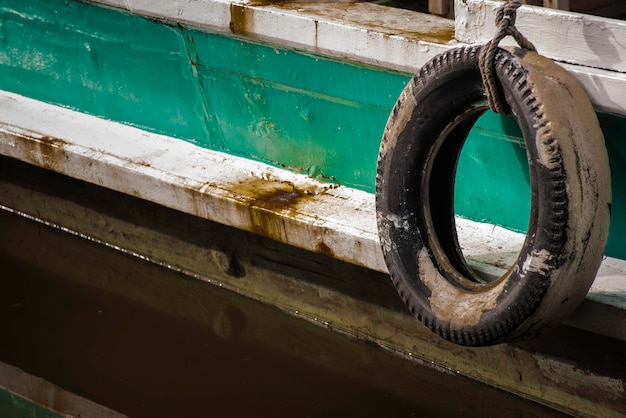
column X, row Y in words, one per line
column 198, row 346
column 231, row 78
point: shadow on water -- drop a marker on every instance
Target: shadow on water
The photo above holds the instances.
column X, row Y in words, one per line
column 150, row 342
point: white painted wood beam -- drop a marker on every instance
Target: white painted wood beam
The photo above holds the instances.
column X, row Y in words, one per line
column 569, row 37
column 194, row 180
column 591, row 47
column 386, row 36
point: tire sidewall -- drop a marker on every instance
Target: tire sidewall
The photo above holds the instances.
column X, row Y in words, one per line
column 433, row 282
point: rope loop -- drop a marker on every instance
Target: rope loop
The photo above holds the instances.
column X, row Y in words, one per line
column 506, row 16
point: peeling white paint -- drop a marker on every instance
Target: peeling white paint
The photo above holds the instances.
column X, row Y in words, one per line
column 368, row 32
column 571, row 37
column 571, row 375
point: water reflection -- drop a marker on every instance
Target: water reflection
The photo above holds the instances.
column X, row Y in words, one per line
column 150, row 342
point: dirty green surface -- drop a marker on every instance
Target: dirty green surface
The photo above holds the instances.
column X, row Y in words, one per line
column 13, row 406
column 297, row 110
column 280, row 106
column 493, row 183
column 305, row 112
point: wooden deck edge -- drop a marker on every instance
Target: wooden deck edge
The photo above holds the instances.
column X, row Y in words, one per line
column 290, row 208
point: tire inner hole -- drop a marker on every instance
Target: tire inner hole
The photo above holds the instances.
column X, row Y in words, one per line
column 492, row 195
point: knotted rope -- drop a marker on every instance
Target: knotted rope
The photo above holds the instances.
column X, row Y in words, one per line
column 505, row 21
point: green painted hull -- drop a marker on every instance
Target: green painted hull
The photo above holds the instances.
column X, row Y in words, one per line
column 12, row 405
column 274, row 104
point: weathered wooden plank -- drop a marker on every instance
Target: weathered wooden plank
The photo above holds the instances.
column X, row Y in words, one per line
column 245, row 98
column 569, row 37
column 446, row 7
column 248, row 195
column 588, row 46
column 605, row 8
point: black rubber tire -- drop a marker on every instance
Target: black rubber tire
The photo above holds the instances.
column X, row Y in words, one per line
column 570, row 203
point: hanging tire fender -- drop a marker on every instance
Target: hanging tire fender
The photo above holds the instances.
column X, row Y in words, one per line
column 570, row 203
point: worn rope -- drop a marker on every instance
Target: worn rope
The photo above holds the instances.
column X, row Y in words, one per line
column 505, row 21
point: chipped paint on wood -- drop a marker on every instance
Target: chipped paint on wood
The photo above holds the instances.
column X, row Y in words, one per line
column 289, row 207
column 405, row 40
column 370, row 33
column 213, row 90
column 579, row 381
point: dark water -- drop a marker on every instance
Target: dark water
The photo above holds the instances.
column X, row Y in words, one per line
column 150, row 342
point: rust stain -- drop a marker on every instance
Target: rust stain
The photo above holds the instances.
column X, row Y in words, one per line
column 241, row 15
column 430, row 29
column 265, row 222
column 322, row 248
column 267, row 198
column 276, row 196
column 241, row 18
column 272, row 204
column 238, row 21
column 48, row 152
column 278, row 199
column 56, row 142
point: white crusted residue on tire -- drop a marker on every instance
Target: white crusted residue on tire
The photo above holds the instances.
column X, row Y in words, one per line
column 538, row 261
column 400, row 223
